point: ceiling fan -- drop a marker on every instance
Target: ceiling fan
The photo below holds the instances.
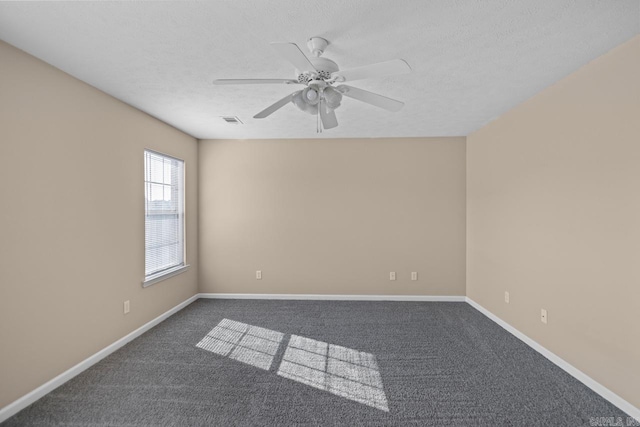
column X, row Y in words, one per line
column 323, row 80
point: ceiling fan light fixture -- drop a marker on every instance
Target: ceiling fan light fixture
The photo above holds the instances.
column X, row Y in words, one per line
column 312, row 95
column 299, row 100
column 332, row 97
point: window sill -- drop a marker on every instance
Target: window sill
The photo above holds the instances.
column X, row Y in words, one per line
column 148, row 281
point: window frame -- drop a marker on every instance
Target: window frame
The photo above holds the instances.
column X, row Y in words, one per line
column 180, row 268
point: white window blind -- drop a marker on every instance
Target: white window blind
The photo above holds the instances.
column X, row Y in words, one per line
column 164, row 214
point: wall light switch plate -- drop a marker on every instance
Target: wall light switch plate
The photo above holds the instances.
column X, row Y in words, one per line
column 392, row 275
column 543, row 315
column 506, row 297
column 127, row 307
column 414, row 275
column 258, row 274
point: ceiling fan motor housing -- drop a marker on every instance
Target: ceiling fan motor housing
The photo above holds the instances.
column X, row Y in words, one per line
column 323, row 69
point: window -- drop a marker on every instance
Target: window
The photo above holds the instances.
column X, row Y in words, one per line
column 164, row 254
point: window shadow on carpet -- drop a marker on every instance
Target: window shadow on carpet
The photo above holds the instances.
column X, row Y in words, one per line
column 342, row 371
column 245, row 343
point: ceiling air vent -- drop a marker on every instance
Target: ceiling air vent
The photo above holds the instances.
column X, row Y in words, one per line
column 232, row 120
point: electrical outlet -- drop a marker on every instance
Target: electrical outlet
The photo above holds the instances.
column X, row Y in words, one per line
column 392, row 275
column 414, row 275
column 258, row 274
column 506, row 297
column 543, row 315
column 127, row 307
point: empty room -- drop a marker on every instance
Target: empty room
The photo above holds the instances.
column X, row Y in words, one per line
column 244, row 213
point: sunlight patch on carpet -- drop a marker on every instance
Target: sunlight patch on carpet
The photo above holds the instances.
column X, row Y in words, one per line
column 339, row 370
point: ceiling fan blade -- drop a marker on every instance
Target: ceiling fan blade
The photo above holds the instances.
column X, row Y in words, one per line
column 381, row 69
column 275, row 107
column 292, row 53
column 328, row 116
column 253, row 81
column 370, row 98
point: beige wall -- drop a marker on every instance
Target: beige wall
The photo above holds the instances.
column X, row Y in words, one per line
column 71, row 222
column 333, row 216
column 554, row 218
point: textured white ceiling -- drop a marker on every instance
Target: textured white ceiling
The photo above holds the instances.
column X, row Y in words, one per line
column 472, row 60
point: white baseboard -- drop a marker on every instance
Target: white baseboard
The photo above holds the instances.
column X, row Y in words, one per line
column 562, row 364
column 26, row 400
column 333, row 297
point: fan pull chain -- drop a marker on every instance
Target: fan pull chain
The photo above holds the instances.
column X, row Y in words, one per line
column 318, row 122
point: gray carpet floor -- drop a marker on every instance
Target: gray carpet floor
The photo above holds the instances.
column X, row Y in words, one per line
column 248, row 362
